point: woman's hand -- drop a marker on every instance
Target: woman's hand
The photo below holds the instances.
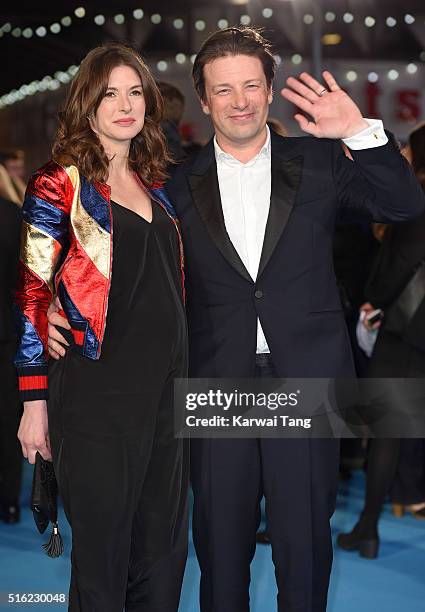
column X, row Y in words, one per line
column 33, row 432
column 55, row 339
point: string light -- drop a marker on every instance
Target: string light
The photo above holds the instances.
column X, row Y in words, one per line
column 411, row 68
column 178, row 24
column 138, row 14
column 51, row 83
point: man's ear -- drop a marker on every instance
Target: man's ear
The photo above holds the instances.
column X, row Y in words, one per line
column 270, row 96
column 205, row 107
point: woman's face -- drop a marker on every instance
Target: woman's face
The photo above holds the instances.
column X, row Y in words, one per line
column 121, row 113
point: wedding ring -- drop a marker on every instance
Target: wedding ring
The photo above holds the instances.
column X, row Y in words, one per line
column 320, row 94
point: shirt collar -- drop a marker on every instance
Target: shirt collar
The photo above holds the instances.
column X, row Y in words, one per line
column 222, row 156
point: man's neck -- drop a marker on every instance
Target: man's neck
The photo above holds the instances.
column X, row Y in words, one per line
column 243, row 151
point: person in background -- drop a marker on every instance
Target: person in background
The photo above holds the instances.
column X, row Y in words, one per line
column 173, row 113
column 10, row 412
column 277, row 126
column 402, row 249
column 100, row 232
column 189, row 142
column 8, row 190
column 14, row 162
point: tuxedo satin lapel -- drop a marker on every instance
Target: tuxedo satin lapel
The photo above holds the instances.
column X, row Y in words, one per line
column 206, row 198
column 286, row 176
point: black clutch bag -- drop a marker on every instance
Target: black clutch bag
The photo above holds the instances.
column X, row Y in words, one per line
column 44, row 505
column 402, row 310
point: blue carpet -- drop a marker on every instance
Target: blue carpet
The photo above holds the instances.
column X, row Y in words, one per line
column 395, row 582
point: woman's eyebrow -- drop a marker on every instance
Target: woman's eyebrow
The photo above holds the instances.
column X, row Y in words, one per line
column 132, row 87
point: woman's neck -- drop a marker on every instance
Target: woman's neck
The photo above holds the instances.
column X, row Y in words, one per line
column 117, row 154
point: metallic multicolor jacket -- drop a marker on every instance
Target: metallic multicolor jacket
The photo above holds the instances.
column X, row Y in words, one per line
column 66, row 249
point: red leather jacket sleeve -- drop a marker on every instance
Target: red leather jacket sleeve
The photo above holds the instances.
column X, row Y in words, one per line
column 45, row 223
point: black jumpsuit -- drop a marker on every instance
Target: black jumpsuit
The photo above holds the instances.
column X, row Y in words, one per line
column 122, row 475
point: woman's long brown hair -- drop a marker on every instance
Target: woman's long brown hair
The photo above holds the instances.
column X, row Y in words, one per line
column 77, row 144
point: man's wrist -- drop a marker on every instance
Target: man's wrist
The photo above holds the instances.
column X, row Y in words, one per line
column 356, row 129
column 370, row 136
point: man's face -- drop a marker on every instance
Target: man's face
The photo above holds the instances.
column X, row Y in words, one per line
column 237, row 98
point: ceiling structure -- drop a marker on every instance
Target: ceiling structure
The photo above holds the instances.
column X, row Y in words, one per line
column 39, row 39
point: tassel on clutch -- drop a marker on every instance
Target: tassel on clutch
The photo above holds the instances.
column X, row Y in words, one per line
column 44, row 504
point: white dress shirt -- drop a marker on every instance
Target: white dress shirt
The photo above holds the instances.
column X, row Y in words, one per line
column 245, row 191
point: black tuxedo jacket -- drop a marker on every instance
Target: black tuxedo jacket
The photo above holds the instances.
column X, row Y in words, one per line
column 295, row 294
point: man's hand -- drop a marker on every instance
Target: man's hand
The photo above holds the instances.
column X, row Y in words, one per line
column 33, row 432
column 365, row 309
column 334, row 113
column 56, row 350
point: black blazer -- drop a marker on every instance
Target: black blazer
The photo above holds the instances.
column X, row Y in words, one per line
column 402, row 249
column 295, row 294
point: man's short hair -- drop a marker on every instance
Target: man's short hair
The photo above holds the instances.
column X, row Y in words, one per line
column 233, row 41
column 173, row 102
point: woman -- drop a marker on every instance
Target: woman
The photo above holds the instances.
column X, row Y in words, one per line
column 394, row 356
column 100, row 233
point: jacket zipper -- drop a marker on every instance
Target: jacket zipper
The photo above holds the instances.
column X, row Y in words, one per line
column 106, row 300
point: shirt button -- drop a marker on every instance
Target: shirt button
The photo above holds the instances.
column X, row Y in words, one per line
column 258, row 294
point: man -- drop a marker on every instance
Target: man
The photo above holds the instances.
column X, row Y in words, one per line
column 257, row 213
column 173, row 113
